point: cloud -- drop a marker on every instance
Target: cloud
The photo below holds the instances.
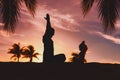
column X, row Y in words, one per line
column 64, row 21
column 110, row 38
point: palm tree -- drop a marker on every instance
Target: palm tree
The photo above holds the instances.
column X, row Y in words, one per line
column 16, row 51
column 75, row 58
column 28, row 52
column 10, row 11
column 108, row 11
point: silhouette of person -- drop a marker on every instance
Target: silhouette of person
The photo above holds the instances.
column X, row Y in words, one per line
column 48, row 54
column 83, row 48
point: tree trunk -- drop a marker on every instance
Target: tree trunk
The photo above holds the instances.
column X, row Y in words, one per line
column 18, row 60
column 18, row 56
column 30, row 59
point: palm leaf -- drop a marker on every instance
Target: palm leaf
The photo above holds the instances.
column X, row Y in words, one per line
column 35, row 55
column 11, row 51
column 15, row 49
column 25, row 56
column 14, row 56
column 31, row 5
column 108, row 13
column 75, row 54
column 10, row 13
column 87, row 5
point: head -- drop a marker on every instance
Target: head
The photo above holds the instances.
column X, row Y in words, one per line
column 82, row 46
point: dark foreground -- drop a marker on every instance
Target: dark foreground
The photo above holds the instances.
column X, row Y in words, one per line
column 62, row 71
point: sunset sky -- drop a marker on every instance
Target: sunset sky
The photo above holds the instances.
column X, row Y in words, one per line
column 70, row 29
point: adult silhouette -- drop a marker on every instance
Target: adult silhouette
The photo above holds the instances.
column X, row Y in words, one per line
column 48, row 54
column 83, row 48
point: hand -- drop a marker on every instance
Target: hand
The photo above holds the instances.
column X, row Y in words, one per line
column 47, row 17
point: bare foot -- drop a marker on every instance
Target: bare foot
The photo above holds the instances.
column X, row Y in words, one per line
column 47, row 17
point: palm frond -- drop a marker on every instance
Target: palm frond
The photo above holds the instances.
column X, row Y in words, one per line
column 108, row 13
column 35, row 55
column 0, row 3
column 25, row 56
column 15, row 49
column 14, row 56
column 75, row 54
column 87, row 5
column 25, row 51
column 31, row 48
column 10, row 13
column 11, row 51
column 31, row 5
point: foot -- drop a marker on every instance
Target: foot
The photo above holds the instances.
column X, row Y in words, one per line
column 47, row 17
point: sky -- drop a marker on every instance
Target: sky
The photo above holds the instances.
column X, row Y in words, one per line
column 71, row 28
